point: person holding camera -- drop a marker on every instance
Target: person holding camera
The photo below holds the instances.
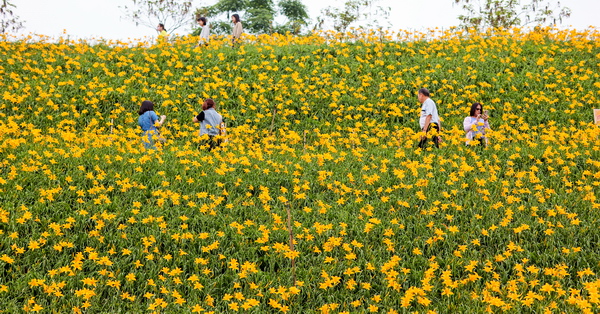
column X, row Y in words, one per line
column 475, row 125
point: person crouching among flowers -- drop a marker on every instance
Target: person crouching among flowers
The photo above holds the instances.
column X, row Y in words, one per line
column 210, row 124
column 149, row 122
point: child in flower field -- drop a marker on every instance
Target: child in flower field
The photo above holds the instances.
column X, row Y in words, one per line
column 211, row 123
column 148, row 121
column 475, row 125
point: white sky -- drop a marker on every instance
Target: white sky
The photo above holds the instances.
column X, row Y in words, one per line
column 94, row 18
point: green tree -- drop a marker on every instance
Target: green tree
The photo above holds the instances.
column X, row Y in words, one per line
column 228, row 6
column 10, row 21
column 482, row 14
column 258, row 16
column 354, row 12
column 295, row 11
column 172, row 13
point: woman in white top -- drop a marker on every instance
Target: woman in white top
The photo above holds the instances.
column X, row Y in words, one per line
column 205, row 33
column 237, row 29
column 476, row 125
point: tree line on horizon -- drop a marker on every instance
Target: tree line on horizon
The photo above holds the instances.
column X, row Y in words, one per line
column 260, row 16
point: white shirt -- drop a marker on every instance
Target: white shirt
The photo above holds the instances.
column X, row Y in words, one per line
column 427, row 109
column 204, row 34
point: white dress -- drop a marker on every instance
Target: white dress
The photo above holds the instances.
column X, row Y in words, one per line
column 204, row 35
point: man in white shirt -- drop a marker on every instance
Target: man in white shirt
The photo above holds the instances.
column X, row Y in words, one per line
column 429, row 120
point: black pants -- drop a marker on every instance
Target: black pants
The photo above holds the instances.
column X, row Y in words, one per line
column 212, row 142
column 478, row 142
column 423, row 141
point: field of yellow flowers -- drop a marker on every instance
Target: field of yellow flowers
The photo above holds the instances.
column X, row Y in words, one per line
column 320, row 201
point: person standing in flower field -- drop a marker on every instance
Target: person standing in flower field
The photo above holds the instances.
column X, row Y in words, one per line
column 237, row 29
column 205, row 33
column 162, row 33
column 149, row 122
column 211, row 124
column 475, row 125
column 429, row 119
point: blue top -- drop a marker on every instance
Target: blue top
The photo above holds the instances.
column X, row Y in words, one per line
column 147, row 120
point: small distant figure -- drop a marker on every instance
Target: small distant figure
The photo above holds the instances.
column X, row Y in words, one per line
column 162, row 33
column 596, row 116
column 237, row 29
column 210, row 123
column 205, row 33
column 476, row 125
column 429, row 120
column 149, row 122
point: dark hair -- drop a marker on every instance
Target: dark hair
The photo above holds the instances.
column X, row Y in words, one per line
column 237, row 17
column 474, row 107
column 203, row 19
column 163, row 26
column 147, row 105
column 424, row 91
column 208, row 103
